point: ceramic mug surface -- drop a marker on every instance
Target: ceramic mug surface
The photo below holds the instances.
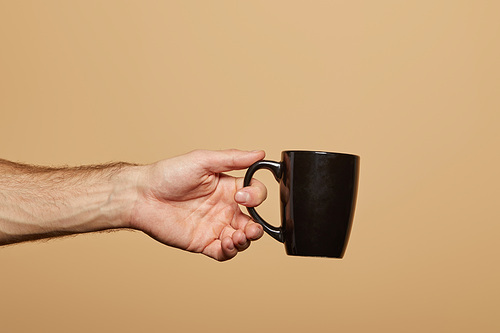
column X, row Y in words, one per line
column 318, row 196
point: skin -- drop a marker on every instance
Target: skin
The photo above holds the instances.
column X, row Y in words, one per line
column 186, row 202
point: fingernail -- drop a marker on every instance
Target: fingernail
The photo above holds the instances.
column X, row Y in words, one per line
column 230, row 246
column 242, row 196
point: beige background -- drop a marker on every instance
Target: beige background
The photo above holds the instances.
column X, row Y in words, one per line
column 411, row 86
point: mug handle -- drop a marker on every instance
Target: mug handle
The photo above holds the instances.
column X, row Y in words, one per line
column 276, row 169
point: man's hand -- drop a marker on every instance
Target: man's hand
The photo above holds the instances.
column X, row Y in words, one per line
column 189, row 203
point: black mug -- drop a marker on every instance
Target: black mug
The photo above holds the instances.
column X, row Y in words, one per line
column 318, row 196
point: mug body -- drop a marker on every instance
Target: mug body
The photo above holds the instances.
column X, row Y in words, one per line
column 318, row 195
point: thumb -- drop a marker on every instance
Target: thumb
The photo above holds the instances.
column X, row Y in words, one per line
column 231, row 159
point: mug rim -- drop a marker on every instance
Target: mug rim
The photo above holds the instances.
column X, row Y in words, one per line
column 318, row 152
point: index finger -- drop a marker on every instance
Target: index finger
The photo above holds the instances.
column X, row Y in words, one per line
column 228, row 160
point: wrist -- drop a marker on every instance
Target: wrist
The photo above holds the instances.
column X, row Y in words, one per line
column 124, row 195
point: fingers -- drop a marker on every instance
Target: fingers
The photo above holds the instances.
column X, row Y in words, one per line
column 231, row 245
column 250, row 196
column 254, row 231
column 227, row 160
column 228, row 249
column 239, row 240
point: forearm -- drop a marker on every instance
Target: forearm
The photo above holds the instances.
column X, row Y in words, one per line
column 39, row 202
